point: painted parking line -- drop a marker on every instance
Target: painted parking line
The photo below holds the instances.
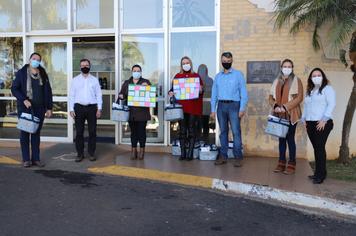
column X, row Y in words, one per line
column 8, row 161
column 191, row 180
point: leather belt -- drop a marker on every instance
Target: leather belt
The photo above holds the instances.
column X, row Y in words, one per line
column 89, row 105
column 226, row 101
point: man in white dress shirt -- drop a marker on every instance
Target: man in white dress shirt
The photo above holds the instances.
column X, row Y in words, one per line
column 85, row 104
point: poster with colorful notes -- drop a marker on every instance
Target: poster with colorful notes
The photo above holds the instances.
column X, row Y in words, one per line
column 141, row 96
column 186, row 88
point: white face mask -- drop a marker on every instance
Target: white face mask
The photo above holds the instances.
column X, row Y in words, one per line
column 317, row 80
column 287, row 71
column 186, row 67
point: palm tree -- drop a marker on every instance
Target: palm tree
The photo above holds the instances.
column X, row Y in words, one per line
column 131, row 54
column 340, row 15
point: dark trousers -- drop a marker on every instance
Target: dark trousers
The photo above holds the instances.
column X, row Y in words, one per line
column 188, row 132
column 204, row 126
column 138, row 133
column 290, row 139
column 26, row 138
column 82, row 114
column 318, row 140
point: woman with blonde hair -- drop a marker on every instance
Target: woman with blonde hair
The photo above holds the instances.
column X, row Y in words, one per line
column 285, row 98
column 192, row 110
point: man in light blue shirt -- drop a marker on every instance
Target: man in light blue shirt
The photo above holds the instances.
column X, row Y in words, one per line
column 229, row 97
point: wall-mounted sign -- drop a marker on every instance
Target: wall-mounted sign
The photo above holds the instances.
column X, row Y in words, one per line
column 265, row 72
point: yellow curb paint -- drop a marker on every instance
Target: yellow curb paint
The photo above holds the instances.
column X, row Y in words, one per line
column 191, row 180
column 7, row 160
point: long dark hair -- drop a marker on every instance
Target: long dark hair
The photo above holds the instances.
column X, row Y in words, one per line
column 43, row 73
column 311, row 85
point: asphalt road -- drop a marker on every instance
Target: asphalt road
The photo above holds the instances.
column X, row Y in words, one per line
column 54, row 202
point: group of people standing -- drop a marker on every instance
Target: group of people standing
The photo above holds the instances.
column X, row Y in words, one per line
column 285, row 98
column 229, row 100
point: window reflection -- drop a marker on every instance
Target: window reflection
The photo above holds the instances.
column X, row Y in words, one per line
column 54, row 59
column 143, row 14
column 95, row 14
column 8, row 119
column 56, row 126
column 200, row 47
column 10, row 15
column 10, row 61
column 49, row 14
column 190, row 13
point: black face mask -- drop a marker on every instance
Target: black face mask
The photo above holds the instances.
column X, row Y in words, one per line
column 85, row 70
column 226, row 65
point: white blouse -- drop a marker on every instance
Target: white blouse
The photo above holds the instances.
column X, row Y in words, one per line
column 319, row 106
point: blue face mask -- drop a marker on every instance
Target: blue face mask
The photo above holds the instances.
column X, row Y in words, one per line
column 35, row 63
column 136, row 75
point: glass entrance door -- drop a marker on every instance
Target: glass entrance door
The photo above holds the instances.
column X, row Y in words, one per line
column 146, row 50
column 57, row 60
column 101, row 53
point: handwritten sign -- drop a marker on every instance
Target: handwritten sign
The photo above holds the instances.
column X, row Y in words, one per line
column 141, row 96
column 186, row 88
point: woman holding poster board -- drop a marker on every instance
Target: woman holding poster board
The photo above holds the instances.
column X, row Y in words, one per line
column 187, row 88
column 138, row 115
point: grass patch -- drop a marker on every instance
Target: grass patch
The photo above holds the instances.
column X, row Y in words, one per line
column 340, row 171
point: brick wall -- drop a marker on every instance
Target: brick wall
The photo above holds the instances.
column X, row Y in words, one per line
column 248, row 32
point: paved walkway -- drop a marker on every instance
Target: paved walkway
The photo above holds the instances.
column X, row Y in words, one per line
column 256, row 171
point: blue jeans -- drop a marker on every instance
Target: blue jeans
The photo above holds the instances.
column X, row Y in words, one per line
column 229, row 113
column 290, row 139
column 26, row 138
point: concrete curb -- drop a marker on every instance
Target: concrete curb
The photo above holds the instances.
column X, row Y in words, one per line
column 300, row 199
column 250, row 190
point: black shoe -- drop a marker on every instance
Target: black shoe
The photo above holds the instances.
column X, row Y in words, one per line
column 26, row 164
column 92, row 158
column 317, row 180
column 311, row 177
column 79, row 158
column 38, row 163
column 189, row 158
column 220, row 161
column 182, row 157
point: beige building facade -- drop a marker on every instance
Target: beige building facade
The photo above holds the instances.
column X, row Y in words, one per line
column 247, row 30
